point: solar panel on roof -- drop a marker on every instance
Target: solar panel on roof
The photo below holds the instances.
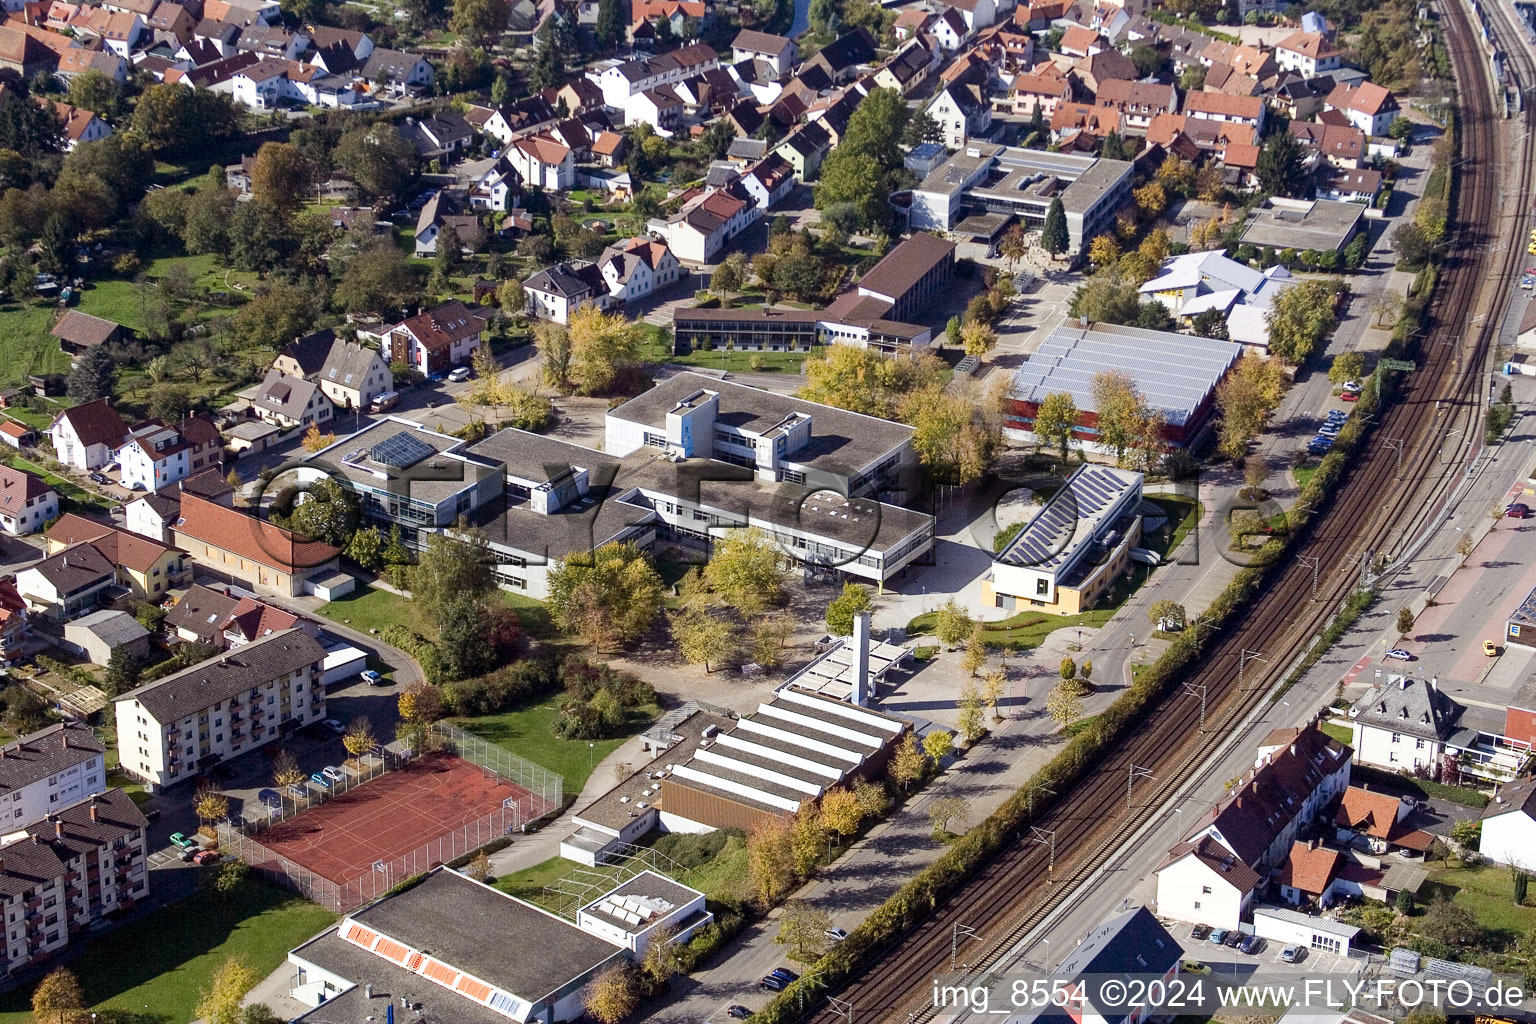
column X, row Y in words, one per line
column 401, row 451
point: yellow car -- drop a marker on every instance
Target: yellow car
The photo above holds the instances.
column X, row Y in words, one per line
column 1490, row 648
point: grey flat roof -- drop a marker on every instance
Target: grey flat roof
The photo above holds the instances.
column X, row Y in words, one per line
column 1084, row 179
column 527, row 456
column 1174, row 371
column 861, row 522
column 1071, row 516
column 842, row 441
column 332, row 953
column 433, row 480
column 649, row 890
column 611, row 811
column 478, row 930
column 583, row 527
column 1325, row 225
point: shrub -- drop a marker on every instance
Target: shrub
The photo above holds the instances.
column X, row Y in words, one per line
column 418, row 647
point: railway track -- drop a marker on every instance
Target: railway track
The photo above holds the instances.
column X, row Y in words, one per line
column 1387, row 484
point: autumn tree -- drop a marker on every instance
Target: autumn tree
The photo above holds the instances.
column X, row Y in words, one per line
column 613, row 993
column 975, row 650
column 1055, row 420
column 280, row 175
column 807, row 840
column 703, row 637
column 220, row 1001
column 767, row 635
column 945, row 810
column 1065, row 704
column 907, row 763
column 1167, row 614
column 479, row 867
column 840, row 811
column 1103, row 251
column 1245, row 398
column 479, row 21
column 602, row 344
column 314, row 441
column 842, row 609
column 660, row 960
column 938, row 744
column 57, row 997
column 803, row 926
column 285, row 770
column 864, row 381
column 421, row 704
column 770, row 860
column 359, row 738
column 952, row 626
column 607, row 597
column 993, row 686
column 1121, row 410
column 1300, row 318
column 972, row 721
column 978, row 339
column 1404, row 621
column 1014, row 245
column 746, row 568
column 954, row 438
column 554, row 344
column 210, row 805
column 1347, row 366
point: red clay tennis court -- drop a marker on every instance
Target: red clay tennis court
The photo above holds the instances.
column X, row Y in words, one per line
column 391, row 816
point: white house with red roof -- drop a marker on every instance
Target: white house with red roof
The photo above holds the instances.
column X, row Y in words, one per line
column 706, row 222
column 543, row 162
column 636, row 267
column 155, row 455
column 80, row 125
column 86, row 436
column 1310, row 53
column 1368, row 106
column 26, row 502
column 434, row 340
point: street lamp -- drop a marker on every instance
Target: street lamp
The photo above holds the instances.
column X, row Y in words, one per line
column 591, row 756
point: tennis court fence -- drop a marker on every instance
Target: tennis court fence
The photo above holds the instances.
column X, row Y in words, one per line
column 243, row 840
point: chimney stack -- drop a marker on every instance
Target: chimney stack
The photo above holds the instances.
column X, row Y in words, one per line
column 861, row 684
column 58, row 829
column 94, row 815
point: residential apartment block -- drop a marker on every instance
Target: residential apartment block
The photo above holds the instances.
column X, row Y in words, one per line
column 61, row 875
column 48, row 770
column 176, row 727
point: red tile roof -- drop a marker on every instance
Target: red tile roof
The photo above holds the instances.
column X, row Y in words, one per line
column 95, row 423
column 120, row 547
column 1249, row 108
column 1310, row 869
column 443, row 325
column 1374, row 814
column 249, row 537
column 17, row 487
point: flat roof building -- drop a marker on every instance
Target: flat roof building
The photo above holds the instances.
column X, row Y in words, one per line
column 1024, row 183
column 1322, row 225
column 436, row 941
column 1067, row 555
column 1177, row 373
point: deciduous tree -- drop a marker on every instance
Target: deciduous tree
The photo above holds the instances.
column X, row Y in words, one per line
column 803, row 926
column 359, row 738
column 952, row 626
column 747, row 570
column 58, row 998
column 972, row 721
column 945, row 810
column 602, row 344
column 607, row 597
column 703, row 637
column 842, row 609
column 907, row 763
column 1167, row 614
column 975, row 650
column 285, row 770
column 1055, row 420
column 770, row 860
column 280, row 175
column 1065, row 704
column 1300, row 318
column 613, row 993
column 220, row 1002
column 938, row 744
column 479, row 21
column 1347, row 366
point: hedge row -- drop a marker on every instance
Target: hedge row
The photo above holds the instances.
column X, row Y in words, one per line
column 418, row 647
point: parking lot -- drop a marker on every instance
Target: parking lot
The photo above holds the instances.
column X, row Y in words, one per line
column 1226, row 960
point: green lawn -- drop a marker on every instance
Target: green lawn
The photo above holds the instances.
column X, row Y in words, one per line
column 1024, row 630
column 26, row 347
column 66, row 488
column 158, row 964
column 1488, row 892
column 1304, row 475
column 722, row 877
column 372, row 610
column 529, row 732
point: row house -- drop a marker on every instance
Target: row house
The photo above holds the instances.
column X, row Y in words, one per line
column 804, row 149
column 184, row 724
column 1138, row 102
column 1214, row 874
column 433, row 341
column 148, row 568
column 1210, row 106
column 526, row 115
column 155, row 455
column 619, row 82
column 64, row 875
column 978, row 14
column 769, row 181
column 76, row 62
column 117, row 31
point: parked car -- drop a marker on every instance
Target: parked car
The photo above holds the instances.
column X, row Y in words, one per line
column 1518, row 510
column 271, row 798
column 836, row 934
column 1490, row 648
column 1350, row 396
column 320, row 780
column 181, row 842
column 1252, row 945
column 335, row 726
column 385, row 401
column 1199, row 932
column 1217, row 936
column 333, row 773
column 99, row 478
column 785, row 973
column 206, row 857
column 1398, row 654
column 372, row 678
column 1292, row 954
column 458, row 374
column 1329, row 430
column 738, row 1012
column 1353, row 385
column 772, row 983
column 1234, row 939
